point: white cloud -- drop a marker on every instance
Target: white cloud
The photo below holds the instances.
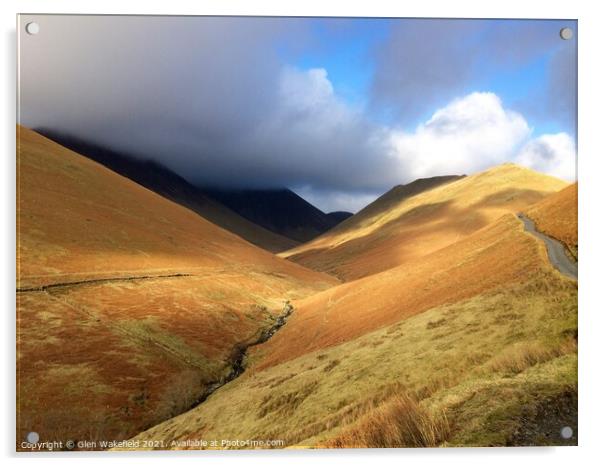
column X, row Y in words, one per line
column 307, row 103
column 476, row 132
column 553, row 154
column 342, row 161
column 469, row 134
column 305, row 89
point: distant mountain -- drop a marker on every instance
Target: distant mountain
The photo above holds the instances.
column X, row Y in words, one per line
column 280, row 211
column 418, row 218
column 158, row 178
column 339, row 216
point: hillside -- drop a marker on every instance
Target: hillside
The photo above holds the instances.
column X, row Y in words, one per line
column 473, row 344
column 128, row 305
column 411, row 221
column 393, row 197
column 172, row 186
column 556, row 216
column 279, row 210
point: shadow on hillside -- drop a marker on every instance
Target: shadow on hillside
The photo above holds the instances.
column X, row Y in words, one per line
column 508, row 196
column 392, row 241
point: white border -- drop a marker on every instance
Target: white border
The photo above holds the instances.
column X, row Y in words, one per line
column 590, row 183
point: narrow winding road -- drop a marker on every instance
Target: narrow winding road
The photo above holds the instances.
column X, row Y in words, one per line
column 556, row 251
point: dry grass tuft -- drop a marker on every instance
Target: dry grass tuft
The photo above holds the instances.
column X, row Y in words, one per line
column 331, row 365
column 523, row 355
column 399, row 422
column 434, row 324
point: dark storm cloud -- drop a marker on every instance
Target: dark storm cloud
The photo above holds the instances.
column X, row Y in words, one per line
column 561, row 91
column 515, row 43
column 209, row 97
column 423, row 63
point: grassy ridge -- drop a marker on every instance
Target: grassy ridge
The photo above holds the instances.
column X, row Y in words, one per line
column 404, row 225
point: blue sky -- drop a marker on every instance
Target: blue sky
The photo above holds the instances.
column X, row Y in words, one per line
column 347, row 50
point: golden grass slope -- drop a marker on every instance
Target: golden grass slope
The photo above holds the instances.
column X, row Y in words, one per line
column 78, row 220
column 472, row 345
column 556, row 216
column 400, row 227
column 483, row 371
column 499, row 254
column 392, row 198
column 127, row 304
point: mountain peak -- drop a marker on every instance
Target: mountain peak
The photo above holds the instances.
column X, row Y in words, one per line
column 279, row 210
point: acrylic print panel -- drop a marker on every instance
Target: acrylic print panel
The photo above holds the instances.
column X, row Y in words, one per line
column 252, row 232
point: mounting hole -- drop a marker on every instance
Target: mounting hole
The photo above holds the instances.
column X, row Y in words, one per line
column 566, row 432
column 566, row 33
column 33, row 437
column 32, row 28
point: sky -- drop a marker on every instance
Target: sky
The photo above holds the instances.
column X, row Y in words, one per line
column 337, row 109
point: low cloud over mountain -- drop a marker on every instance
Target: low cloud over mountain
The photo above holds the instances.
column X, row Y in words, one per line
column 230, row 102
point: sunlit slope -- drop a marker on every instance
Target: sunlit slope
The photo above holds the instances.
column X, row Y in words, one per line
column 474, row 345
column 128, row 305
column 498, row 255
column 163, row 181
column 409, row 223
column 392, row 198
column 77, row 219
column 556, row 216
